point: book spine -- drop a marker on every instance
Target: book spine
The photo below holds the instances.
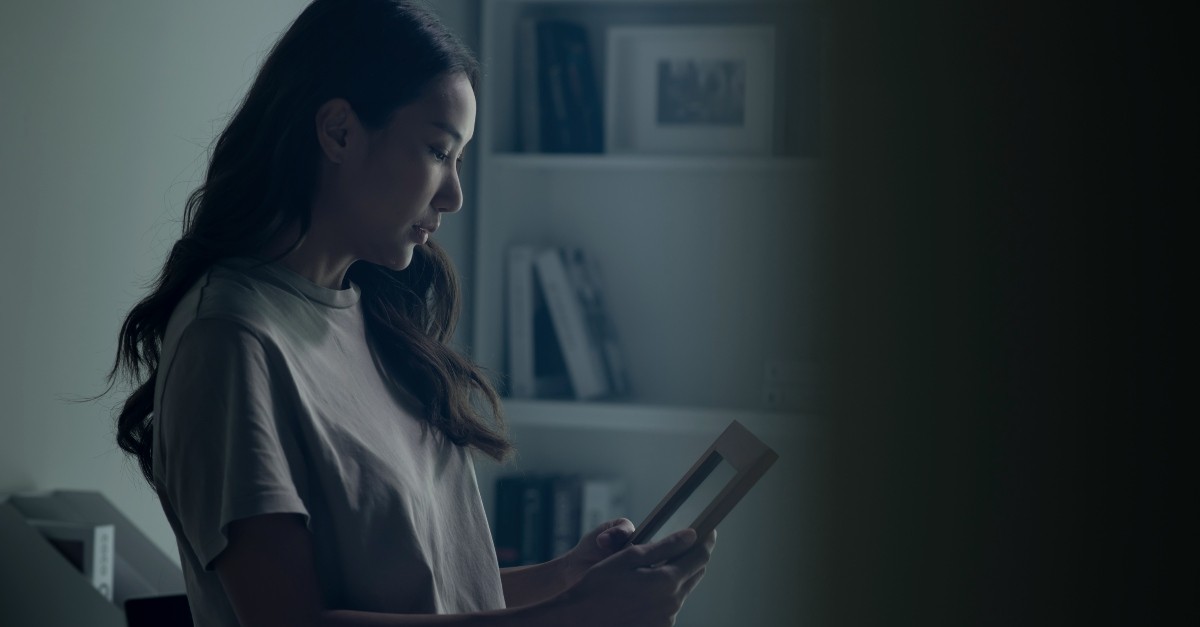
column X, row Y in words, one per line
column 585, row 276
column 583, row 117
column 549, row 366
column 566, row 512
column 601, row 500
column 521, row 374
column 584, row 363
column 535, row 521
column 507, row 526
column 554, row 114
column 528, row 90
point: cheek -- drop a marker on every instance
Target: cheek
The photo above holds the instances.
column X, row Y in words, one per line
column 397, row 184
column 404, row 179
column 380, row 191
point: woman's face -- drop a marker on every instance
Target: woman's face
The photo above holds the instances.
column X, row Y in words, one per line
column 390, row 187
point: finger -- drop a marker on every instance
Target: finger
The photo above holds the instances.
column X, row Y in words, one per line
column 690, row 562
column 661, row 551
column 614, row 538
column 694, row 560
column 691, row 582
column 623, row 523
column 616, row 526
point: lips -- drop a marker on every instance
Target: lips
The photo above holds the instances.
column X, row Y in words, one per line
column 423, row 231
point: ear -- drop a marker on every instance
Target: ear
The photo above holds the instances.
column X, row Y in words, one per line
column 337, row 129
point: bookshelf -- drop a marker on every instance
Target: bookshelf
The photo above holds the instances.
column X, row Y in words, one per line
column 709, row 271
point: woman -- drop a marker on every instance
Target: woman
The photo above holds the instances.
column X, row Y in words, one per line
column 297, row 408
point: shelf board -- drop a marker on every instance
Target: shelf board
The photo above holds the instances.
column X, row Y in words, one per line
column 638, row 418
column 624, row 162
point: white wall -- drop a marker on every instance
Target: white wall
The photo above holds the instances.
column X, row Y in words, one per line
column 106, row 112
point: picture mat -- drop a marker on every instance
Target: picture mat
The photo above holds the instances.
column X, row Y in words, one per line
column 746, row 454
column 631, row 90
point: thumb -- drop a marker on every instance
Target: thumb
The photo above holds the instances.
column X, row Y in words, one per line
column 615, row 536
column 664, row 549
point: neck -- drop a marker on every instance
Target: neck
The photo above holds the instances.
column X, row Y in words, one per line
column 311, row 259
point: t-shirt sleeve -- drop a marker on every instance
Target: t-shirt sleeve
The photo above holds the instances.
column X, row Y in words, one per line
column 229, row 442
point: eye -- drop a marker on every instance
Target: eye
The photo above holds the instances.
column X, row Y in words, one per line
column 438, row 154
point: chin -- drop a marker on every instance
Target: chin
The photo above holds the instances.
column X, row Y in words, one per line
column 396, row 262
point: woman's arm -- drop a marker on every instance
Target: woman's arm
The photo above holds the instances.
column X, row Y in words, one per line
column 268, row 573
column 526, row 585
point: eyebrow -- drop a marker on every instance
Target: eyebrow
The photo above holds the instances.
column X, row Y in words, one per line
column 450, row 130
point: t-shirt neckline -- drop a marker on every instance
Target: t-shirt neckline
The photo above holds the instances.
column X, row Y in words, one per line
column 277, row 272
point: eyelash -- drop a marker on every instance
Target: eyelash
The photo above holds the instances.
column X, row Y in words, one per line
column 440, row 156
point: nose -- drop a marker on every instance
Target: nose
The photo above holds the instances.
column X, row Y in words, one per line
column 450, row 195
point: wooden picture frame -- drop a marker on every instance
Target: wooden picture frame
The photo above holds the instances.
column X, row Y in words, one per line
column 690, row 90
column 744, row 452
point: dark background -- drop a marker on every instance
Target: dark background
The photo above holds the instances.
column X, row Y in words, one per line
column 1009, row 185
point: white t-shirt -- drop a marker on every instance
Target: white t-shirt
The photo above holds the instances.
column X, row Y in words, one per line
column 270, row 400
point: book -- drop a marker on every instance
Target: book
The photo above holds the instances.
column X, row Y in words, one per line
column 550, row 376
column 523, row 524
column 88, row 547
column 506, row 527
column 585, row 275
column 521, row 377
column 566, row 501
column 601, row 500
column 584, row 112
column 528, row 69
column 536, row 366
column 535, row 520
column 569, row 117
column 585, row 362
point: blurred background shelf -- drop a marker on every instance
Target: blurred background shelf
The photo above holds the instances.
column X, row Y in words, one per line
column 709, row 272
column 610, row 163
column 652, row 419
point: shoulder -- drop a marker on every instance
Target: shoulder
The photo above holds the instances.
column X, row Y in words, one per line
column 221, row 314
column 239, row 297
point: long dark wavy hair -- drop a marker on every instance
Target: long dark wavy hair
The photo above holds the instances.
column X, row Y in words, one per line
column 379, row 55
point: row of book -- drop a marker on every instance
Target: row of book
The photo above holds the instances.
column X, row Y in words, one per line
column 85, row 529
column 540, row 517
column 561, row 341
column 559, row 99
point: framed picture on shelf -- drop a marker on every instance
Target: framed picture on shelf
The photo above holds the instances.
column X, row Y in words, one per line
column 702, row 90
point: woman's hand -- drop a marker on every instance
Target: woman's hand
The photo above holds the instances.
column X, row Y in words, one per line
column 526, row 585
column 594, row 548
column 639, row 585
